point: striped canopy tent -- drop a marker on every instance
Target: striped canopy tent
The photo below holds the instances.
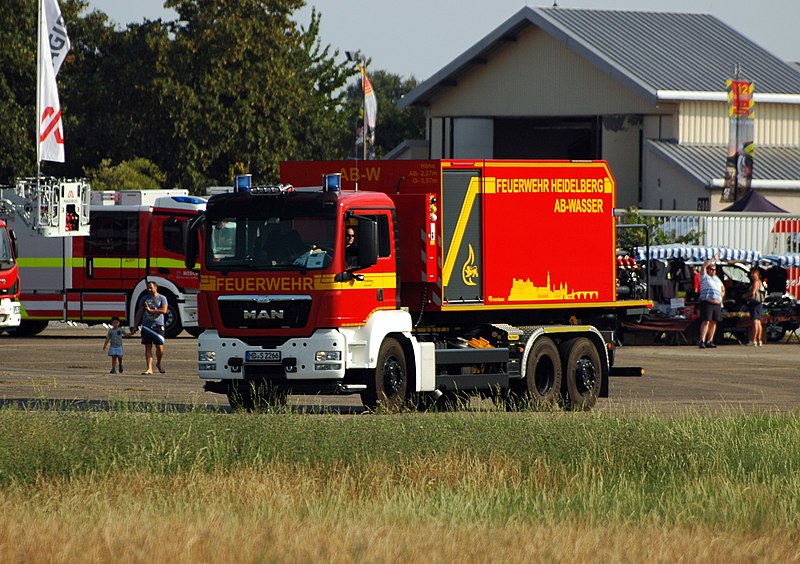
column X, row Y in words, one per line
column 784, row 261
column 696, row 253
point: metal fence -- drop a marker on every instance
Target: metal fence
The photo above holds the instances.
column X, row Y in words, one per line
column 767, row 233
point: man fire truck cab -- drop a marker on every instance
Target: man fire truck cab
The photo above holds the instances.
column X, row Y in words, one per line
column 9, row 279
column 462, row 283
column 131, row 237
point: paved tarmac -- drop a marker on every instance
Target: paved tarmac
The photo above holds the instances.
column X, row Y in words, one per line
column 66, row 366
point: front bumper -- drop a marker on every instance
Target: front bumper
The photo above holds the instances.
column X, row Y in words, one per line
column 10, row 313
column 322, row 356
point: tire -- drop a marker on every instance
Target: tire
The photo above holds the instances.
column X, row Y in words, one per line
column 29, row 328
column 774, row 332
column 582, row 374
column 257, row 396
column 172, row 319
column 389, row 387
column 544, row 374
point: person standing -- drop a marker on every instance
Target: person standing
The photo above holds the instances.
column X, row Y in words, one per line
column 114, row 344
column 150, row 314
column 755, row 305
column 712, row 291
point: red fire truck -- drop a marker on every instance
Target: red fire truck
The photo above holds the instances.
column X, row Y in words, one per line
column 9, row 279
column 465, row 281
column 134, row 236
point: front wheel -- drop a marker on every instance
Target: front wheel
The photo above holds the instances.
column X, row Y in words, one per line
column 29, row 328
column 389, row 387
column 582, row 373
column 774, row 332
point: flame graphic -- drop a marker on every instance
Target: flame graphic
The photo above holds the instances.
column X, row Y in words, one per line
column 469, row 271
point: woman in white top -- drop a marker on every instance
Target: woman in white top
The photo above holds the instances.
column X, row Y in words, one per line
column 712, row 291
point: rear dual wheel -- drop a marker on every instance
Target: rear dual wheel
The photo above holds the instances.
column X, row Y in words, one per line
column 541, row 387
column 582, row 373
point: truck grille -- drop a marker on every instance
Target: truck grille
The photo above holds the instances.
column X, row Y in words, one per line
column 264, row 312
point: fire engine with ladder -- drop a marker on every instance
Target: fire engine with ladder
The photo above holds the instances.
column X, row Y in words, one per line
column 87, row 255
column 458, row 283
column 9, row 279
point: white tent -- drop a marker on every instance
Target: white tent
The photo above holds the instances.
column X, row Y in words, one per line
column 784, row 261
column 696, row 253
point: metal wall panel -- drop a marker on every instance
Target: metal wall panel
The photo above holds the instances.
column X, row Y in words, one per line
column 766, row 233
column 535, row 75
column 708, row 123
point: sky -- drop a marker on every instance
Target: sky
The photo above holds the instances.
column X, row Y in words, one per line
column 420, row 37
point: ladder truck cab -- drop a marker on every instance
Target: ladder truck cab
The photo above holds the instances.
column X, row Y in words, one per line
column 9, row 279
column 460, row 283
column 47, row 207
column 131, row 237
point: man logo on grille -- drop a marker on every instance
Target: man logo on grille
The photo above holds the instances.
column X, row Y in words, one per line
column 263, row 314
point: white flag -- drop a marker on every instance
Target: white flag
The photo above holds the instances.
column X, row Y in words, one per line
column 370, row 103
column 57, row 39
column 53, row 47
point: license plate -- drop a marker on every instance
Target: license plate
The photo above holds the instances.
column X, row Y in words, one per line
column 262, row 356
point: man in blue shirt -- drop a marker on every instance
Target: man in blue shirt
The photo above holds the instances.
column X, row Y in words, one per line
column 150, row 314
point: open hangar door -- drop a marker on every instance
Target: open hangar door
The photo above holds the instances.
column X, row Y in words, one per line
column 547, row 138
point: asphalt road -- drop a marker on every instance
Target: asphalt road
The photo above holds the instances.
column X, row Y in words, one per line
column 66, row 366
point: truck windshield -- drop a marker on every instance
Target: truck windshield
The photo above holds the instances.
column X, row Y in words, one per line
column 6, row 256
column 302, row 243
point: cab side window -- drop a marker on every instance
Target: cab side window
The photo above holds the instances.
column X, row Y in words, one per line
column 173, row 233
column 113, row 235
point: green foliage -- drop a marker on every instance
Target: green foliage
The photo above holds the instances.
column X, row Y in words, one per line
column 136, row 174
column 227, row 86
column 17, row 89
column 659, row 233
column 242, row 83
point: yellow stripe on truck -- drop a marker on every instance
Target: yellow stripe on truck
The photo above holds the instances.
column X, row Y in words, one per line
column 100, row 262
column 266, row 284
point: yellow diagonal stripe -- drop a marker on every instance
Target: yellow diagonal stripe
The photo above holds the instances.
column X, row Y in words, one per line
column 461, row 226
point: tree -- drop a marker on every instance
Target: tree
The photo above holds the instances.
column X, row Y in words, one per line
column 660, row 234
column 111, row 93
column 393, row 125
column 135, row 174
column 243, row 84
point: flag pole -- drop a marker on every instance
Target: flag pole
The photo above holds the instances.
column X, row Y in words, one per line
column 40, row 27
column 364, row 106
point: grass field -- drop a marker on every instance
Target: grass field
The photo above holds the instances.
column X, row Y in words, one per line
column 490, row 486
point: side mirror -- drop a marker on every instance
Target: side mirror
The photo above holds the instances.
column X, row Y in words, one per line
column 13, row 237
column 368, row 245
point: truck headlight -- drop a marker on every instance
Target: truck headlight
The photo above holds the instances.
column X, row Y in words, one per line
column 323, row 356
column 206, row 356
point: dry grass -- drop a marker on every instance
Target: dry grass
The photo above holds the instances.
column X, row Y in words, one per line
column 132, row 486
column 427, row 509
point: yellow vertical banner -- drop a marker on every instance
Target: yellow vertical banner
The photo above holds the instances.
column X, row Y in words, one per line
column 741, row 148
